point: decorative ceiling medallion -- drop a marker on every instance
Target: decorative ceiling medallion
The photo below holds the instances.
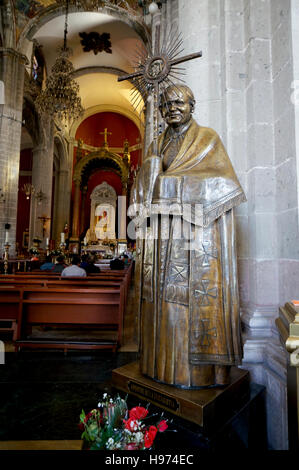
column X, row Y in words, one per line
column 96, row 42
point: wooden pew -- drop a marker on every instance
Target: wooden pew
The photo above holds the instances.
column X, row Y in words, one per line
column 71, row 306
column 124, row 275
column 50, row 280
column 10, row 305
column 64, row 282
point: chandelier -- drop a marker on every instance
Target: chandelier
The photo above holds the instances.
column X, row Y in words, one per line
column 60, row 98
column 28, row 189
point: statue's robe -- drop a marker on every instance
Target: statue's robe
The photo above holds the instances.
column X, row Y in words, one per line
column 189, row 302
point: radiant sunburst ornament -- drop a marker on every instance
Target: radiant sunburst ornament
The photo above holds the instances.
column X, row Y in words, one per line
column 156, row 69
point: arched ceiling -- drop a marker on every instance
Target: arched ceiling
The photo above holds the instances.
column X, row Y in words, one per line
column 26, row 140
column 103, row 88
column 124, row 40
column 96, row 88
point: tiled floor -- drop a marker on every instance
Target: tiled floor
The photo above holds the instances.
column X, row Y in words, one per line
column 42, row 394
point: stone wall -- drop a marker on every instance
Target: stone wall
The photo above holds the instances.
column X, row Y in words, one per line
column 243, row 88
column 12, row 76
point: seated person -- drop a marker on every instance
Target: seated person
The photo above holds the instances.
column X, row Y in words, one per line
column 34, row 264
column 74, row 270
column 128, row 253
column 60, row 264
column 117, row 263
column 47, row 265
column 90, row 266
column 84, row 261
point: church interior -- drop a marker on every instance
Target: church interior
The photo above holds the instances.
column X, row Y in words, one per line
column 77, row 118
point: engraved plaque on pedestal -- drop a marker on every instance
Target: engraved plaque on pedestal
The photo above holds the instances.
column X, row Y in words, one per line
column 209, row 407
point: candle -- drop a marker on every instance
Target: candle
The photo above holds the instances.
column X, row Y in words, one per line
column 85, row 241
column 47, row 241
column 6, row 237
column 62, row 237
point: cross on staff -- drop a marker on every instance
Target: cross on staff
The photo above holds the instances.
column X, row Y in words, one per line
column 105, row 133
column 154, row 69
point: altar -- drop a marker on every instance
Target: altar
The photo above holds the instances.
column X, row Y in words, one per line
column 102, row 215
column 99, row 249
column 109, row 249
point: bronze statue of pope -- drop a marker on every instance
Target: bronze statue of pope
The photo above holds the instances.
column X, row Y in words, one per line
column 186, row 271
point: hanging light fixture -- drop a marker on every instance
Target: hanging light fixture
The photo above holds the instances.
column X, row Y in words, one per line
column 28, row 189
column 60, row 98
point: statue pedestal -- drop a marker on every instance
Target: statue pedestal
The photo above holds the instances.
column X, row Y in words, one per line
column 208, row 408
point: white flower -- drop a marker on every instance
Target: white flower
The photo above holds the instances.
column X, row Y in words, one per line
column 110, row 443
column 104, row 395
column 100, row 404
column 139, row 436
column 133, row 426
column 111, row 400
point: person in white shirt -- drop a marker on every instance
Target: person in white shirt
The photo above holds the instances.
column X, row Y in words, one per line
column 74, row 270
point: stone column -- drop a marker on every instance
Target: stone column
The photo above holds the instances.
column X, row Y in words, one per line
column 12, row 83
column 261, row 139
column 62, row 203
column 122, row 217
column 76, row 208
column 83, row 203
column 42, row 179
column 201, row 26
column 244, row 94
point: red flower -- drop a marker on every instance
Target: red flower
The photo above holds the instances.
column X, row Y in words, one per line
column 130, row 424
column 131, row 446
column 149, row 436
column 81, row 426
column 153, row 430
column 138, row 412
column 89, row 415
column 162, row 426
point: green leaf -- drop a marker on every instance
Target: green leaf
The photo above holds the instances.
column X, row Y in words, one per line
column 82, row 416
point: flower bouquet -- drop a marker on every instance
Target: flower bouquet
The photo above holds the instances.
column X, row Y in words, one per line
column 55, row 252
column 34, row 251
column 111, row 426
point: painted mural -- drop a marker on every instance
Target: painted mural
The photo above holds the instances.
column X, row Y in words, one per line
column 30, row 8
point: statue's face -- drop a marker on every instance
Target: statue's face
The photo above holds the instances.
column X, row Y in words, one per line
column 176, row 108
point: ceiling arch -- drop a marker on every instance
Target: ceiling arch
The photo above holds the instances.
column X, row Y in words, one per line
column 114, row 103
column 54, row 11
column 60, row 151
column 96, row 74
column 97, row 160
